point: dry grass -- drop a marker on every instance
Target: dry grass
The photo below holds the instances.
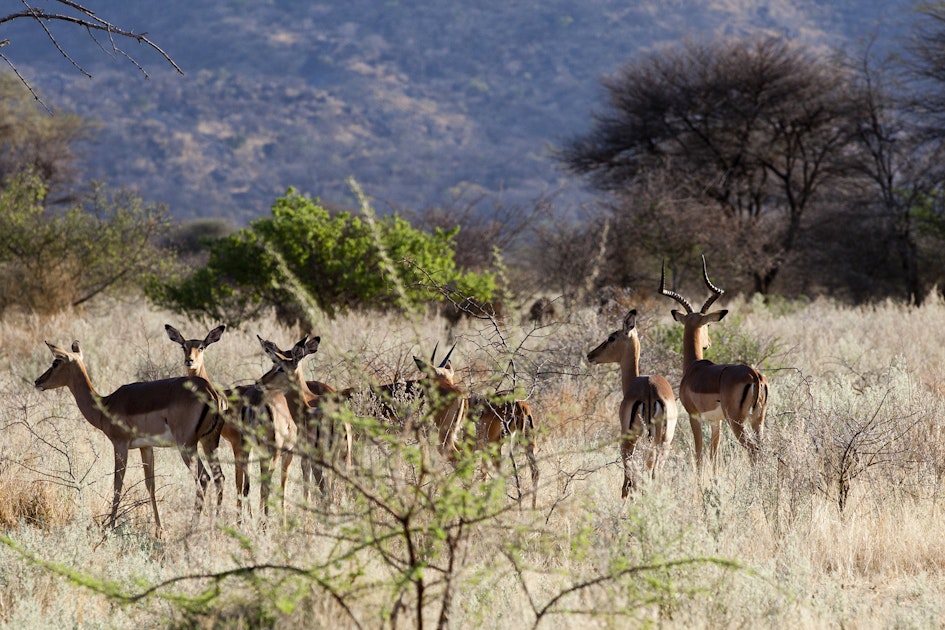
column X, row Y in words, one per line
column 867, row 381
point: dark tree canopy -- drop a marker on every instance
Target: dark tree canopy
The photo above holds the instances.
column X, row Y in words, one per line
column 752, row 130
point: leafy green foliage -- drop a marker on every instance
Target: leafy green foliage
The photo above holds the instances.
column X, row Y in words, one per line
column 338, row 261
column 51, row 259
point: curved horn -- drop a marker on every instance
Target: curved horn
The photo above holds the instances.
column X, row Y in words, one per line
column 433, row 356
column 716, row 292
column 447, row 357
column 683, row 301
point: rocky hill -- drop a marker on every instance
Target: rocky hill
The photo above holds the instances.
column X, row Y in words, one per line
column 420, row 102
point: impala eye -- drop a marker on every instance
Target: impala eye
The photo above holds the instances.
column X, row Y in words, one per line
column 612, row 339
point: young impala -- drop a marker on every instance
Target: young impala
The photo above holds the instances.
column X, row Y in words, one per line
column 179, row 412
column 714, row 392
column 648, row 407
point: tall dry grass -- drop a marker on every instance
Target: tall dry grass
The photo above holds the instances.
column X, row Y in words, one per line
column 856, row 414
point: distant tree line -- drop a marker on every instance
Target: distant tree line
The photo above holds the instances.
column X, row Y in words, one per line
column 795, row 172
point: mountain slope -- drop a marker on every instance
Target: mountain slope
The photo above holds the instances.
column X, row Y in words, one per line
column 419, row 102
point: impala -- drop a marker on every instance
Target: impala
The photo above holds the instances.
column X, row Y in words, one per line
column 179, row 412
column 713, row 392
column 321, row 436
column 448, row 403
column 252, row 418
column 501, row 416
column 447, row 400
column 648, row 407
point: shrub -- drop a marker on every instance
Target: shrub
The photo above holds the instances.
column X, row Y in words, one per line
column 52, row 259
column 339, row 261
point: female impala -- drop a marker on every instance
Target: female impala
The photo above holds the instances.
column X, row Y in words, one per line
column 251, row 418
column 172, row 412
column 648, row 406
column 712, row 392
column 319, row 435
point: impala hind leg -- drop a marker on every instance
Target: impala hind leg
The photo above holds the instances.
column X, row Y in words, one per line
column 200, row 476
column 286, row 461
column 533, row 466
column 715, row 440
column 147, row 463
column 748, row 439
column 266, row 466
column 627, row 446
column 241, row 472
column 210, row 444
column 305, row 461
column 697, row 440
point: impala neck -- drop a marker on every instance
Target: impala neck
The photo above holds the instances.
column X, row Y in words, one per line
column 300, row 396
column 87, row 399
column 200, row 371
column 692, row 346
column 630, row 362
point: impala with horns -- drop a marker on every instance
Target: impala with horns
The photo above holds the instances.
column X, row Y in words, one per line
column 321, row 439
column 250, row 419
column 648, row 407
column 395, row 404
column 180, row 412
column 447, row 401
column 501, row 416
column 713, row 392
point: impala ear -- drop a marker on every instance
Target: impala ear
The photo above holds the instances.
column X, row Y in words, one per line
column 173, row 334
column 630, row 320
column 679, row 316
column 214, row 335
column 268, row 347
column 311, row 346
column 717, row 316
column 422, row 365
column 75, row 348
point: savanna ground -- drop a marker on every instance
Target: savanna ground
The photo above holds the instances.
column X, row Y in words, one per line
column 855, row 420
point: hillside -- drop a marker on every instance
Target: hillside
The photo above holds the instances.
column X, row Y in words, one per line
column 419, row 102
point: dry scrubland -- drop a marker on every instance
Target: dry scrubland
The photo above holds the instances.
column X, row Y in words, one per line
column 856, row 408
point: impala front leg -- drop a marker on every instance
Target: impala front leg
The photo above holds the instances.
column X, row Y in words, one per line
column 121, row 464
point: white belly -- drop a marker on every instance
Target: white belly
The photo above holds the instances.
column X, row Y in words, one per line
column 712, row 415
column 164, row 439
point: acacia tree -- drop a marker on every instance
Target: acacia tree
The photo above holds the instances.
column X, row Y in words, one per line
column 752, row 130
column 68, row 13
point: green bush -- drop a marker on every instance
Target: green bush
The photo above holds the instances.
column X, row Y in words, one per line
column 303, row 254
column 51, row 259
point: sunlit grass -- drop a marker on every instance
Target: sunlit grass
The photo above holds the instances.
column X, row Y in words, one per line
column 772, row 545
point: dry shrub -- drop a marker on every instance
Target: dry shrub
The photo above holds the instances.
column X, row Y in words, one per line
column 30, row 502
